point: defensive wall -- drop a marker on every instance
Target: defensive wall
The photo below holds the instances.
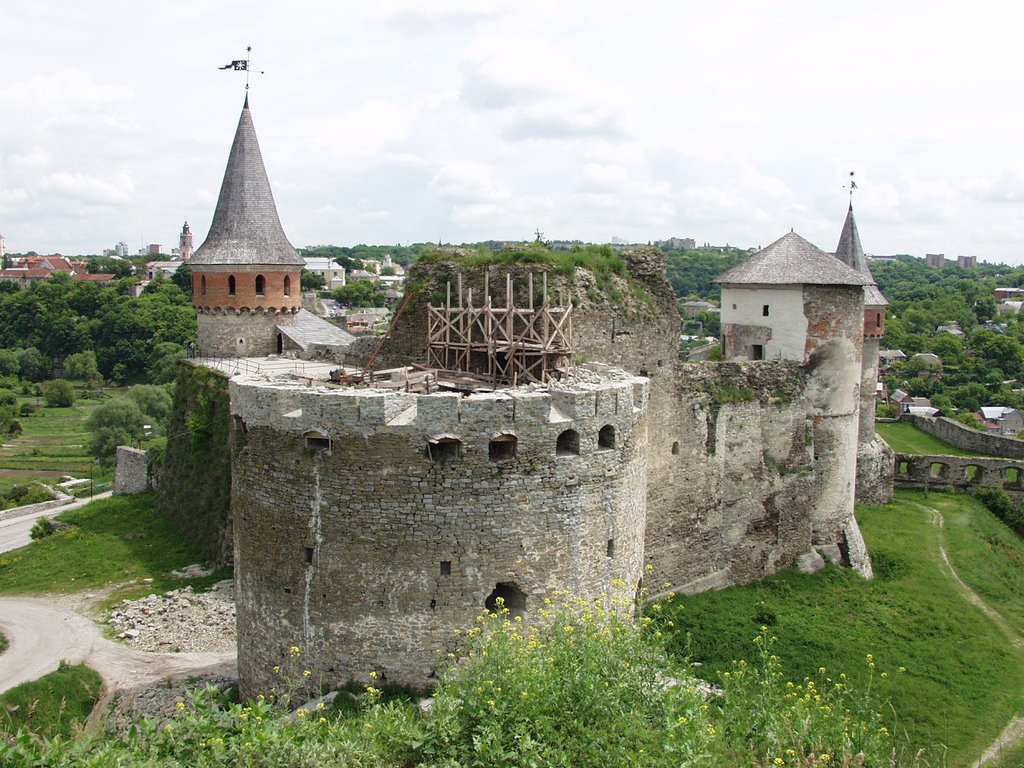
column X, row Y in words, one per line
column 959, row 473
column 967, row 439
column 371, row 525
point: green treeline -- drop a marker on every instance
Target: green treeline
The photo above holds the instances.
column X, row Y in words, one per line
column 131, row 336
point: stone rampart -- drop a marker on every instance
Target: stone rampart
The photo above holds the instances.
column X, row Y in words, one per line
column 967, row 439
column 370, row 525
column 959, row 473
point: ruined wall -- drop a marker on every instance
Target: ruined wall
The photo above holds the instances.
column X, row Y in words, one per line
column 968, row 439
column 959, row 473
column 194, row 491
column 131, row 471
column 731, row 499
column 366, row 545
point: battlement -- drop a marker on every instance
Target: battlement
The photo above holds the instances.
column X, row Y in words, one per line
column 609, row 397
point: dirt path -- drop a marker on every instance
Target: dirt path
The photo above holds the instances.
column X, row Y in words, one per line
column 43, row 632
column 1014, row 731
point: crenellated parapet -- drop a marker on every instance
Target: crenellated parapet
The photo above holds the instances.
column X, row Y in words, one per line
column 370, row 525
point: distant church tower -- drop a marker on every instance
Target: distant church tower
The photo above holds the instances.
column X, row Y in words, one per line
column 874, row 459
column 185, row 242
column 793, row 301
column 246, row 276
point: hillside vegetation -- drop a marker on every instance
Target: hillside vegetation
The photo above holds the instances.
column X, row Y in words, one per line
column 591, row 690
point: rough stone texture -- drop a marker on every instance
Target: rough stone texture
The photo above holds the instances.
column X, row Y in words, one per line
column 131, row 472
column 241, row 333
column 875, row 467
column 382, row 549
column 968, row 439
column 952, row 473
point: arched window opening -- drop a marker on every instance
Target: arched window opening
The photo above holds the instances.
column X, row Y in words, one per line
column 606, row 437
column 878, row 319
column 202, row 285
column 287, row 285
column 675, row 448
column 507, row 595
column 444, row 449
column 568, row 443
column 231, row 285
column 261, row 285
column 316, row 441
column 502, row 448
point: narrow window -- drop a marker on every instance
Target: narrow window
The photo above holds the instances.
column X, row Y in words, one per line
column 568, row 443
column 202, row 285
column 444, row 449
column 287, row 285
column 764, row 310
column 611, row 548
column 231, row 285
column 675, row 448
column 606, row 437
column 502, row 448
column 261, row 285
column 317, row 442
column 446, row 567
column 878, row 319
column 309, row 555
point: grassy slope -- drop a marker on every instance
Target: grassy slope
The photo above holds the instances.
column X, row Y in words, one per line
column 56, row 704
column 113, row 541
column 906, row 438
column 960, row 667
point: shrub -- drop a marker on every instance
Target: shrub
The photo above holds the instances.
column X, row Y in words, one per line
column 7, row 397
column 59, row 394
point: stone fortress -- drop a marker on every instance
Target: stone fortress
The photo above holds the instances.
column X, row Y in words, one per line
column 373, row 516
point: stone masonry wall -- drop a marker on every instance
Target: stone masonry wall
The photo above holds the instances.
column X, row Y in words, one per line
column 959, row 473
column 240, row 334
column 358, row 543
column 968, row 439
column 131, row 471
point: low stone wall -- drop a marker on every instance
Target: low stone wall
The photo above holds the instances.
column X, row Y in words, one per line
column 42, row 506
column 959, row 473
column 131, row 473
column 967, row 439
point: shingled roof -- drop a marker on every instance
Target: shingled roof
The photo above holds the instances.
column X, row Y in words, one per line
column 791, row 260
column 246, row 229
column 850, row 252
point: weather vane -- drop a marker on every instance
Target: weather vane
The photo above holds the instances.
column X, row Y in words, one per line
column 853, row 186
column 244, row 65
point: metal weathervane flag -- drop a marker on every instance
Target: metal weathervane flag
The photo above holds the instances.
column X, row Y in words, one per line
column 237, row 64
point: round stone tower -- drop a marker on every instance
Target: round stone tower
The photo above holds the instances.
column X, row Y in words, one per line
column 874, row 457
column 793, row 301
column 246, row 276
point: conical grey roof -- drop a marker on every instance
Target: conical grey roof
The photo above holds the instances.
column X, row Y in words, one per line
column 850, row 252
column 246, row 229
column 791, row 260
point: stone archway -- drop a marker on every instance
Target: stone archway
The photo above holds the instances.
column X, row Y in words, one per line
column 513, row 598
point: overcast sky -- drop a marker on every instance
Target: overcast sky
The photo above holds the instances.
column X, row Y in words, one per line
column 399, row 121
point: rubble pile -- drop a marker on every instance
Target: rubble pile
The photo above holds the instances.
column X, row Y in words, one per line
column 179, row 621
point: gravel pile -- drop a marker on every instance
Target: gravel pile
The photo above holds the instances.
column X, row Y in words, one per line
column 179, row 621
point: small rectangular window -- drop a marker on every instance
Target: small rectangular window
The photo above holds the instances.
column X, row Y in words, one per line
column 446, row 567
column 757, row 352
column 611, row 548
column 764, row 310
column 309, row 555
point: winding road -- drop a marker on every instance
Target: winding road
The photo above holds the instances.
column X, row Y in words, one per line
column 42, row 632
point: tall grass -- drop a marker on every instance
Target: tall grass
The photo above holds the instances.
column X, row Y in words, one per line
column 586, row 687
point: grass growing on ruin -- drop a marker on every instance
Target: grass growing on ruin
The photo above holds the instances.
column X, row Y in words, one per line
column 56, row 704
column 963, row 681
column 112, row 541
column 906, row 438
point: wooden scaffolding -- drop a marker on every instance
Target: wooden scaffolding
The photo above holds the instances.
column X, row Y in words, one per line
column 507, row 345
